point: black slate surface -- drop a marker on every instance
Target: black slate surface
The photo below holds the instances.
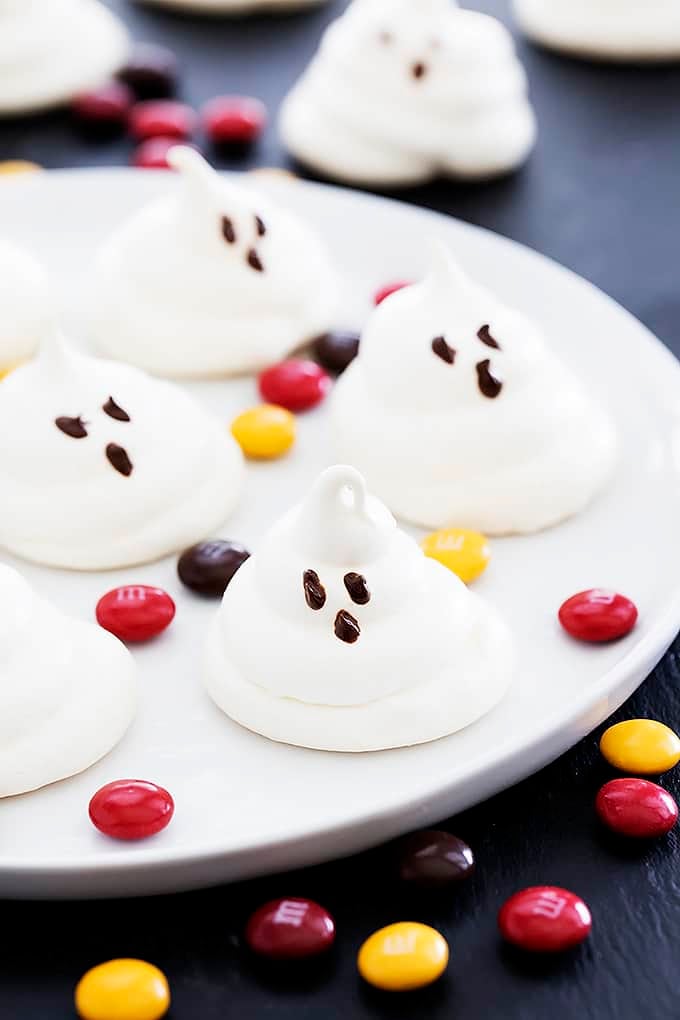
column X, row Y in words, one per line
column 602, row 195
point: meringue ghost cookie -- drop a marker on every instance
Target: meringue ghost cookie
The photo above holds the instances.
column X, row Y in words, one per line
column 620, row 30
column 210, row 280
column 50, row 51
column 68, row 691
column 340, row 635
column 102, row 466
column 403, row 90
column 27, row 306
column 235, row 6
column 459, row 415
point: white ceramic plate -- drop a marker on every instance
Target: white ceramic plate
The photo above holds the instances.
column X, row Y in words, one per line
column 246, row 806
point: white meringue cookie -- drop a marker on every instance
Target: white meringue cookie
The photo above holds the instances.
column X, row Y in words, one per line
column 340, row 635
column 210, row 280
column 68, row 691
column 102, row 466
column 27, row 306
column 52, row 49
column 459, row 415
column 235, row 6
column 620, row 30
column 403, row 90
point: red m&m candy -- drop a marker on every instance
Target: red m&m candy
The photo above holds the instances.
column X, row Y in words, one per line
column 598, row 615
column 637, row 808
column 290, row 929
column 131, row 809
column 135, row 612
column 161, row 118
column 234, row 119
column 104, row 108
column 389, row 288
column 295, row 384
column 153, row 154
column 544, row 919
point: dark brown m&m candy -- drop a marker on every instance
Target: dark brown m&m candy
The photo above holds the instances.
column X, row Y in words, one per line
column 290, row 929
column 432, row 859
column 151, row 71
column 336, row 350
column 208, row 567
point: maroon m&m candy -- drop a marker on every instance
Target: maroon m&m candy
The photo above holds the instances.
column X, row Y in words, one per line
column 434, row 860
column 295, row 384
column 234, row 120
column 104, row 108
column 151, row 71
column 545, row 919
column 135, row 612
column 290, row 929
column 131, row 809
column 389, row 288
column 161, row 118
column 636, row 808
column 336, row 350
column 208, row 567
column 598, row 615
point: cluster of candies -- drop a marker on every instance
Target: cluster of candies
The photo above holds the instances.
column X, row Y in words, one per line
column 407, row 955
column 138, row 102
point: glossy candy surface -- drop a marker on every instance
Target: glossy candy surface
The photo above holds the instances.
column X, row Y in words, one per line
column 336, row 350
column 464, row 552
column 131, row 809
column 106, row 107
column 135, row 612
column 208, row 567
column 434, row 860
column 264, row 432
column 403, row 956
column 389, row 288
column 161, row 118
column 236, row 120
column 290, row 929
column 545, row 919
column 152, row 154
column 123, row 990
column 641, row 745
column 295, row 384
column 598, row 615
column 636, row 808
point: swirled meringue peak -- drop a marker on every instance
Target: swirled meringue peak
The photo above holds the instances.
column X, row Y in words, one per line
column 26, row 303
column 102, row 466
column 235, row 6
column 459, row 414
column 339, row 634
column 52, row 49
column 619, row 30
column 401, row 91
column 68, row 691
column 210, row 280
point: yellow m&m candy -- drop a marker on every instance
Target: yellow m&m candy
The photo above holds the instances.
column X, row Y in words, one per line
column 123, row 990
column 5, row 370
column 464, row 552
column 641, row 745
column 264, row 432
column 9, row 167
column 403, row 956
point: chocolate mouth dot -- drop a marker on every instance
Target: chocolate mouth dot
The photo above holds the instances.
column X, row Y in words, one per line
column 489, row 385
column 114, row 411
column 315, row 593
column 486, row 338
column 346, row 627
column 260, row 227
column 73, row 427
column 357, row 588
column 443, row 351
column 254, row 261
column 118, row 459
column 228, row 231
column 419, row 70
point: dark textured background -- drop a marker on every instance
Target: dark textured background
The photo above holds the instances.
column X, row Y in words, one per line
column 602, row 195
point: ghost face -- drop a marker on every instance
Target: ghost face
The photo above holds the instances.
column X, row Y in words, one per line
column 248, row 236
column 77, row 428
column 346, row 626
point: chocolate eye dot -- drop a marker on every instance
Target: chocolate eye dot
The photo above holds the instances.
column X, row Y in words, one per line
column 315, row 593
column 419, row 70
column 357, row 588
column 443, row 351
column 228, row 230
column 114, row 410
column 485, row 336
column 73, row 427
column 260, row 226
